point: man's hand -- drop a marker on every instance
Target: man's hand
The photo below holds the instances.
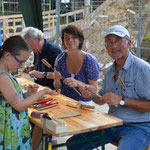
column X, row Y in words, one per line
column 36, row 74
column 111, row 99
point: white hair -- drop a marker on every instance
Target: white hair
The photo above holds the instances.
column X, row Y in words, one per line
column 32, row 33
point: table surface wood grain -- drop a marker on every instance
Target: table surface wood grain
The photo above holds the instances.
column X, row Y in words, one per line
column 89, row 120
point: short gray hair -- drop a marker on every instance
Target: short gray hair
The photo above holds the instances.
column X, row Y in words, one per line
column 32, row 33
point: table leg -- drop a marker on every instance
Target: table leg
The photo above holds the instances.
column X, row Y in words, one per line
column 84, row 141
column 46, row 142
column 103, row 140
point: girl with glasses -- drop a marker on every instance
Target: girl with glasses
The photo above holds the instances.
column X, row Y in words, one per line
column 14, row 121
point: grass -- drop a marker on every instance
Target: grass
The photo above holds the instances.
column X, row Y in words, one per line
column 63, row 20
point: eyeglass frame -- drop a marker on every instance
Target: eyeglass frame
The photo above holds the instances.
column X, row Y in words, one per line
column 20, row 62
column 117, row 41
column 67, row 38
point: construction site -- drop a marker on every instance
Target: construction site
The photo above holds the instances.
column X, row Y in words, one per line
column 130, row 13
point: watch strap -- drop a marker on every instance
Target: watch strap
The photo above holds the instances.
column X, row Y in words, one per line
column 122, row 101
column 45, row 74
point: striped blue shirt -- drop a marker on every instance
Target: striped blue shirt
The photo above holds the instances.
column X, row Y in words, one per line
column 136, row 77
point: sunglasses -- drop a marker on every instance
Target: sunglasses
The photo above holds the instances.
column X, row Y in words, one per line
column 20, row 62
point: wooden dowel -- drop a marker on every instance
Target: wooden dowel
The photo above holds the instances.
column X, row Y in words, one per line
column 122, row 83
column 76, row 91
column 47, row 64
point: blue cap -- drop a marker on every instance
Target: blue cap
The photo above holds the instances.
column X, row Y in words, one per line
column 118, row 30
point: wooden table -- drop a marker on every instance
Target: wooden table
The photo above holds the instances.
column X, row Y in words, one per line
column 89, row 120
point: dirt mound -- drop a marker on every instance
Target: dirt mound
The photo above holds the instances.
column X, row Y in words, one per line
column 123, row 12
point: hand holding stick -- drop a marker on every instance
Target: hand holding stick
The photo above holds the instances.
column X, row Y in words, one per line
column 49, row 66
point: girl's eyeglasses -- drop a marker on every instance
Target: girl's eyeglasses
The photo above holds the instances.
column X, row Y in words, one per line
column 20, row 62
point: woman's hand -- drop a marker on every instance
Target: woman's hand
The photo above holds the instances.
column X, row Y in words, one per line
column 71, row 82
column 85, row 91
column 57, row 75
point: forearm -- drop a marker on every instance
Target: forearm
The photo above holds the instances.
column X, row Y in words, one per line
column 139, row 105
column 27, row 102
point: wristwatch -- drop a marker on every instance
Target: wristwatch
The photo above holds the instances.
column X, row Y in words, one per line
column 45, row 74
column 122, row 101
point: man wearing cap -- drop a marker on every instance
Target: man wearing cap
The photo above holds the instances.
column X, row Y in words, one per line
column 128, row 100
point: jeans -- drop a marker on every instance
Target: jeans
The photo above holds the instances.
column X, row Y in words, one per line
column 130, row 136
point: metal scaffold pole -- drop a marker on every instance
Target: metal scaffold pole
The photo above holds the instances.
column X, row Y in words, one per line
column 57, row 21
column 87, row 6
column 139, row 30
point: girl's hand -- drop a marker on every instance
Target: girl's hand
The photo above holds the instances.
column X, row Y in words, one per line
column 26, row 69
column 52, row 92
column 32, row 89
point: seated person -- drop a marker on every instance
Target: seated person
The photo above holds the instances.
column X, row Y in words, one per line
column 128, row 100
column 75, row 66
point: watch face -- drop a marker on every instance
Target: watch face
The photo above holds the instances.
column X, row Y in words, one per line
column 122, row 102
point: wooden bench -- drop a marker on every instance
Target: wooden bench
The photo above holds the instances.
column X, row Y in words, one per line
column 116, row 144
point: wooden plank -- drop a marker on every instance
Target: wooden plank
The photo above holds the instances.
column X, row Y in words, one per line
column 48, row 22
column 67, row 115
column 11, row 16
column 49, row 12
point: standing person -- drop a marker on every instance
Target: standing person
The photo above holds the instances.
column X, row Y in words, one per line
column 14, row 122
column 43, row 75
column 75, row 66
column 42, row 50
column 132, row 97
